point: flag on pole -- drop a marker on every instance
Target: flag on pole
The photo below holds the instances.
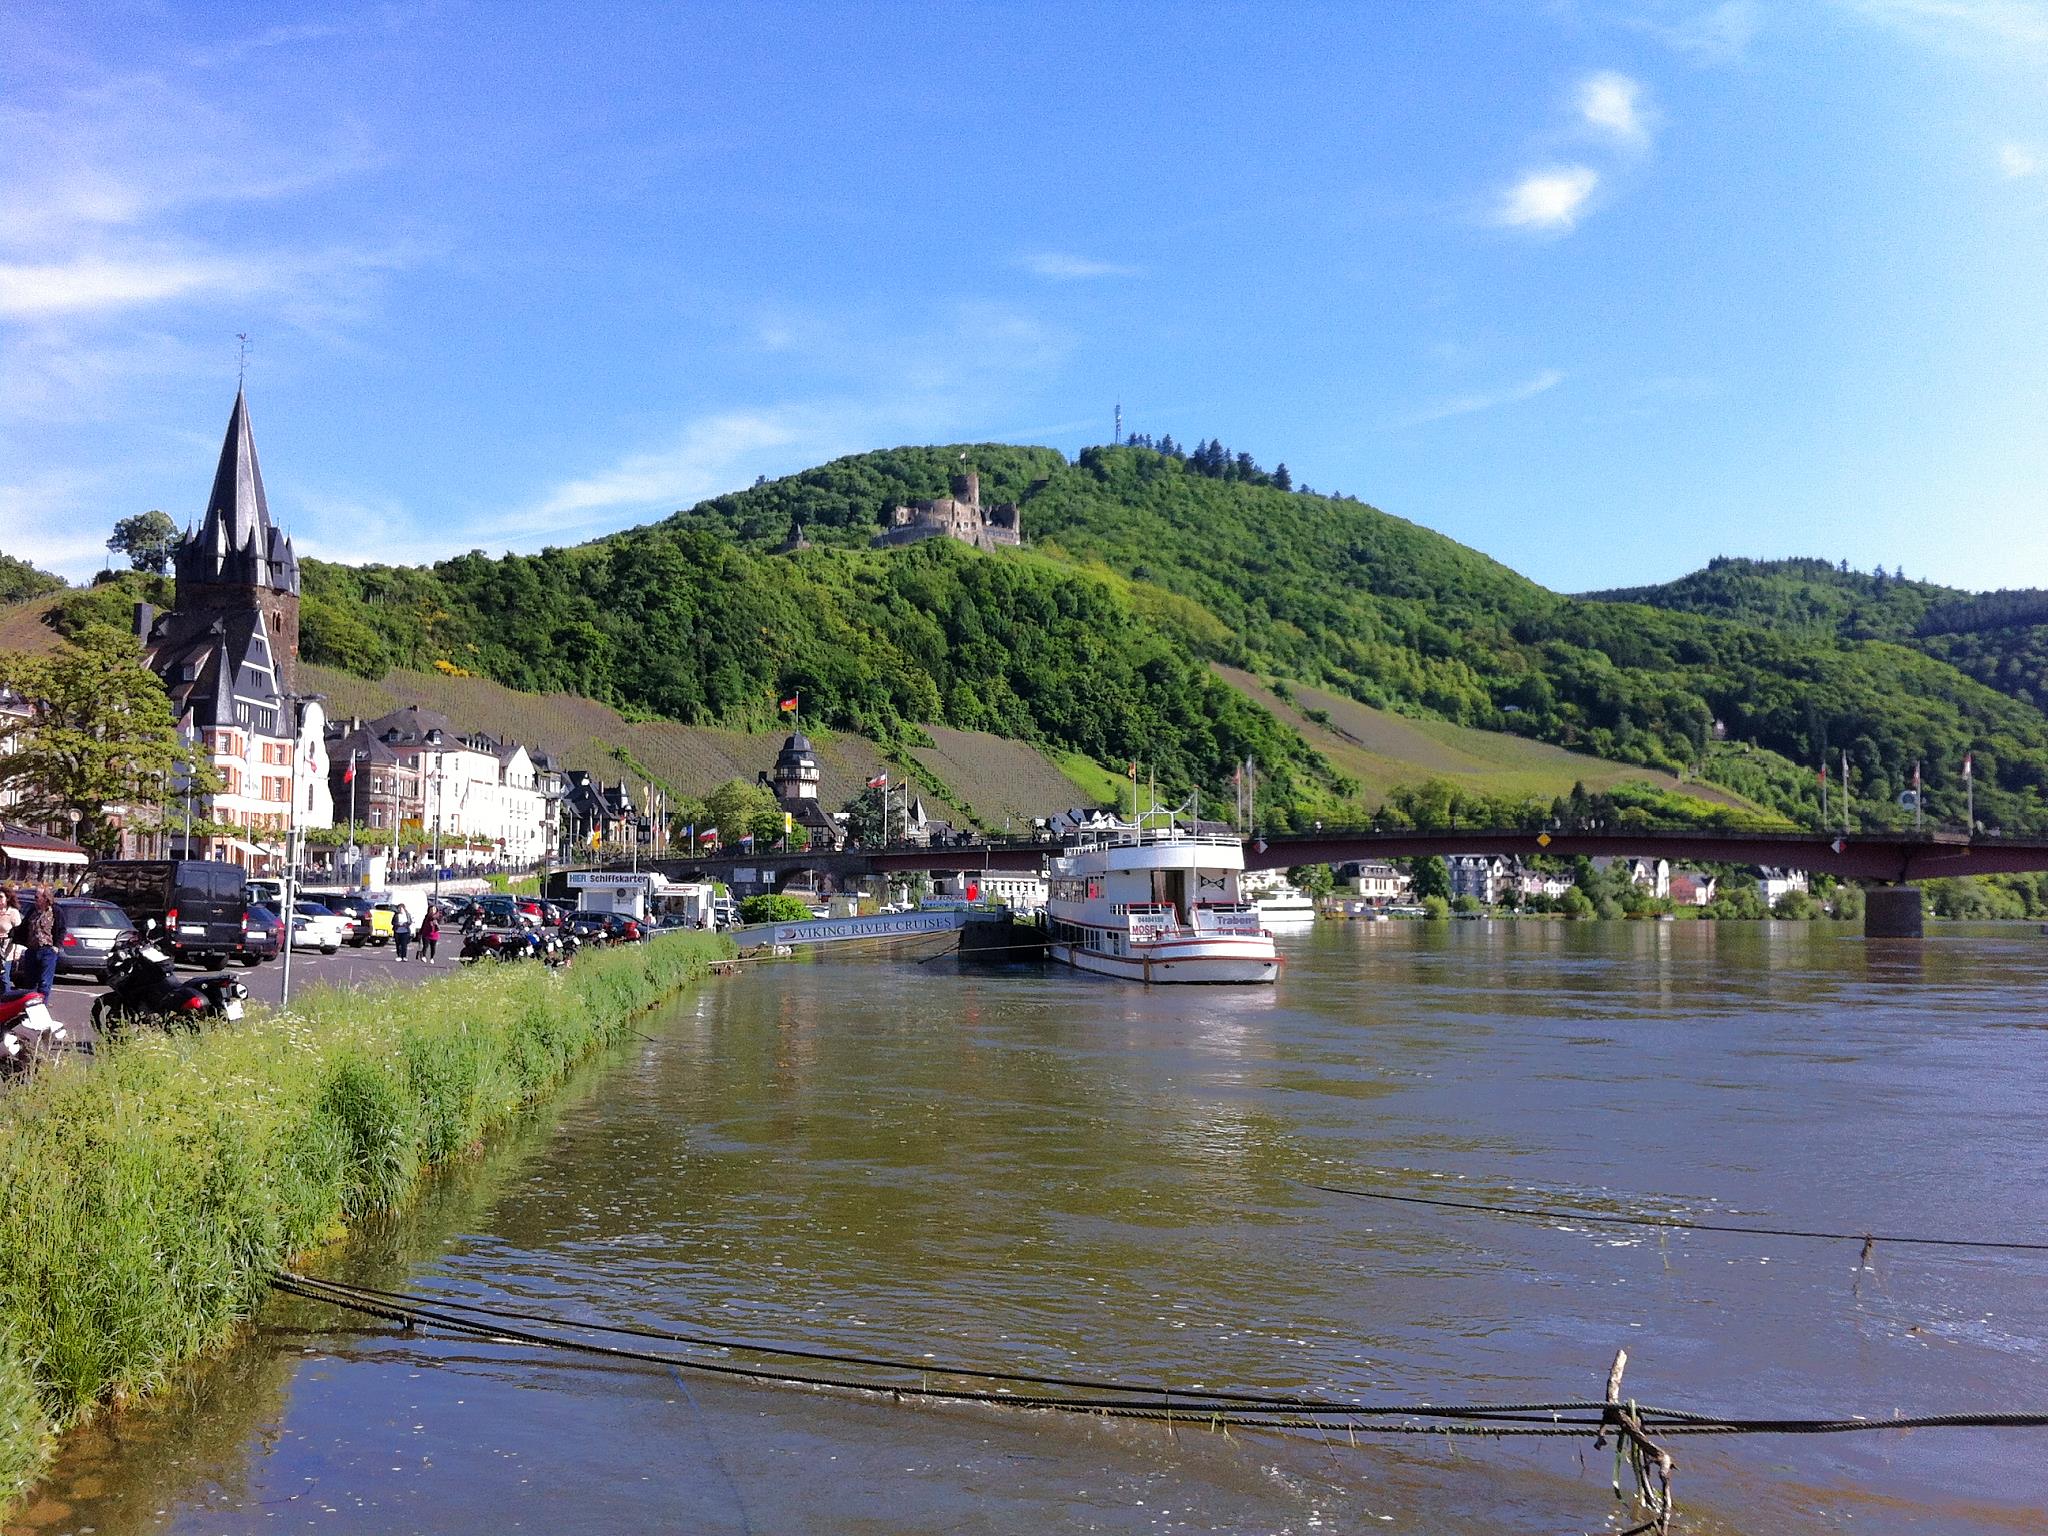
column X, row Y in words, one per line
column 788, row 705
column 879, row 781
column 1131, row 772
column 348, row 774
column 1967, row 770
column 710, row 836
column 787, row 823
column 746, row 838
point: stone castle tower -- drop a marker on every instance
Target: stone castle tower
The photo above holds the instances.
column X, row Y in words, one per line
column 237, row 561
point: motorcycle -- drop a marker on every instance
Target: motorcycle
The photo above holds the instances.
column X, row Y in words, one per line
column 29, row 1035
column 143, row 985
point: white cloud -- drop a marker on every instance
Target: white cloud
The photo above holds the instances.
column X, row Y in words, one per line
column 1964, row 25
column 1060, row 266
column 101, row 283
column 2018, row 161
column 1612, row 104
column 1549, row 199
column 45, row 518
column 1721, row 35
column 1466, row 405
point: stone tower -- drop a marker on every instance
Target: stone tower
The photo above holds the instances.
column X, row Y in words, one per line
column 796, row 771
column 237, row 561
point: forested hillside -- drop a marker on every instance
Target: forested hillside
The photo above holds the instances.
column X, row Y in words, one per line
column 1999, row 638
column 1143, row 568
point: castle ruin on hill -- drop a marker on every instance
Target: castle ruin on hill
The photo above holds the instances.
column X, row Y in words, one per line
column 958, row 516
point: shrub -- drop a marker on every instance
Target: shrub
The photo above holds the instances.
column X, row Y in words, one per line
column 1435, row 909
column 773, row 909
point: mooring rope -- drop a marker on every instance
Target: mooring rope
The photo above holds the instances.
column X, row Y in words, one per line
column 1191, row 1405
column 1681, row 1224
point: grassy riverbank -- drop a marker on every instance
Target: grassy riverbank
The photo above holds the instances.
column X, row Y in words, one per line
column 145, row 1196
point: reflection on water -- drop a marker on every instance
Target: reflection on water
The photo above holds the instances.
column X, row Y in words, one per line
column 1038, row 1169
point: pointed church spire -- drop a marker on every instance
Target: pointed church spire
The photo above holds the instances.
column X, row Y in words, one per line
column 237, row 501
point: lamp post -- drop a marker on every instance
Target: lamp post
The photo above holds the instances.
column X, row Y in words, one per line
column 292, row 703
column 440, row 795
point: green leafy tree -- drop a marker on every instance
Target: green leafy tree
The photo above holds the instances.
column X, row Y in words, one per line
column 1432, row 877
column 1435, row 909
column 1576, row 904
column 776, row 908
column 735, row 806
column 20, row 581
column 1316, row 880
column 147, row 539
column 864, row 817
column 100, row 737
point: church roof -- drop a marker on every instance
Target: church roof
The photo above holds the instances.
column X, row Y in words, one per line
column 236, row 541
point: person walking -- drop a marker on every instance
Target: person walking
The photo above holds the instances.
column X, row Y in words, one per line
column 401, row 932
column 41, row 932
column 10, row 918
column 430, row 935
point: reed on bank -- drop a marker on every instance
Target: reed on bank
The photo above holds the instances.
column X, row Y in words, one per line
column 146, row 1195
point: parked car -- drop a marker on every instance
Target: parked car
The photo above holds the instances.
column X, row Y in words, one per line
column 317, row 927
column 196, row 904
column 372, row 920
column 262, row 937
column 90, row 928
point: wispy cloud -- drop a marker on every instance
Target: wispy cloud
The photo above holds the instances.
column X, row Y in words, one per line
column 1548, row 201
column 1964, row 25
column 1612, row 105
column 2018, row 161
column 1467, row 405
column 1060, row 266
column 1719, row 35
column 94, row 283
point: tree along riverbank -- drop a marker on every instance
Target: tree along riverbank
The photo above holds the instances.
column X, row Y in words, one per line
column 146, row 1196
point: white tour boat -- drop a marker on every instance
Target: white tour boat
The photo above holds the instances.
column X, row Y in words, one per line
column 1157, row 904
column 1280, row 904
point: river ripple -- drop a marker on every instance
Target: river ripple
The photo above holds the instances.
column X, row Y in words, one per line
column 1029, row 1169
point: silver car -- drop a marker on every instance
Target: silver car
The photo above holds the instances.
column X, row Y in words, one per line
column 90, row 928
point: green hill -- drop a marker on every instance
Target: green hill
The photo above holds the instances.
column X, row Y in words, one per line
column 1998, row 638
column 1147, row 570
column 1143, row 570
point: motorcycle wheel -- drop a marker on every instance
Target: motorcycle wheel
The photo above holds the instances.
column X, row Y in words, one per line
column 106, row 1018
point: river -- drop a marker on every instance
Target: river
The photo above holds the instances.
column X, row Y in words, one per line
column 1034, row 1169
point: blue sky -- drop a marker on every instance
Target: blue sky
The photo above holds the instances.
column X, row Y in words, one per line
column 1602, row 289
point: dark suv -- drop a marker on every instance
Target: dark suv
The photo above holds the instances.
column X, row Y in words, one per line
column 197, row 904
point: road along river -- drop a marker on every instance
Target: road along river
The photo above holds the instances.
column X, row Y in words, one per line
column 1039, row 1171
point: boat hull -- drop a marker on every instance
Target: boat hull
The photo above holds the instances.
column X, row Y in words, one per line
column 1192, row 962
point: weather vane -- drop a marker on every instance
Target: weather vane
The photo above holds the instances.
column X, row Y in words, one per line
column 241, row 358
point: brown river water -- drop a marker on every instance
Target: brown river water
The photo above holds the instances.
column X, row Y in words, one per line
column 1036, row 1170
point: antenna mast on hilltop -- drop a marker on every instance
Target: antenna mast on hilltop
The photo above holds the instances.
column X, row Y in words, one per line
column 1119, row 438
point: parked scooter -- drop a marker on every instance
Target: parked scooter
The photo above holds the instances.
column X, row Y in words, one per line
column 143, row 986
column 29, row 1034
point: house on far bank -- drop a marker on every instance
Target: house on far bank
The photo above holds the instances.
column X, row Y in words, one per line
column 1481, row 876
column 1773, row 884
column 1375, row 880
column 1531, row 883
column 1693, row 888
column 958, row 516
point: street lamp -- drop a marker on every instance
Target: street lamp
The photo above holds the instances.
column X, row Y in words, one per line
column 292, row 703
column 434, row 741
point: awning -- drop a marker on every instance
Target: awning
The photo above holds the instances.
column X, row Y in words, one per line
column 21, row 853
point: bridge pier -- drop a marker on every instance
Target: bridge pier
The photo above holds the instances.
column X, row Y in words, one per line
column 1892, row 912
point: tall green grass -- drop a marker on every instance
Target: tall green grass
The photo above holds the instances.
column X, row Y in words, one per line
column 145, row 1196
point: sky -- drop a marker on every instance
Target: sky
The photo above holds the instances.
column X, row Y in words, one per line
column 1601, row 288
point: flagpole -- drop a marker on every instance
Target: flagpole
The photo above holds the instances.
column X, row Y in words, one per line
column 1845, row 791
column 1916, row 794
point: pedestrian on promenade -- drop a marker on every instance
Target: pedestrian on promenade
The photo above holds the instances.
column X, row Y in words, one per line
column 41, row 931
column 10, row 917
column 401, row 932
column 430, row 935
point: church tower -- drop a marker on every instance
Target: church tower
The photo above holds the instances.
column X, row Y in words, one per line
column 237, row 561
